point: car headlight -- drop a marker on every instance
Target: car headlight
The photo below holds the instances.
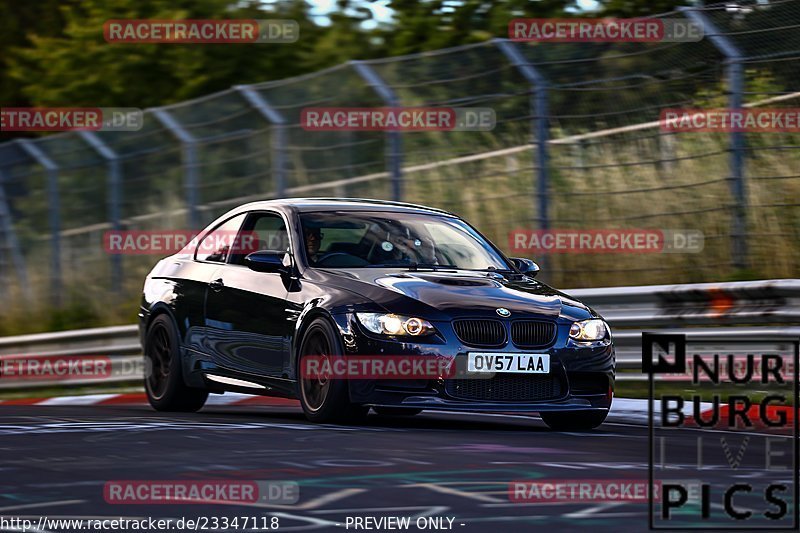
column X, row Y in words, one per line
column 390, row 324
column 589, row 330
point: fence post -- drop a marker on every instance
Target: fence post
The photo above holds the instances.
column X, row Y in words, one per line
column 114, row 193
column 540, row 130
column 54, row 209
column 735, row 75
column 394, row 147
column 189, row 146
column 10, row 239
column 279, row 146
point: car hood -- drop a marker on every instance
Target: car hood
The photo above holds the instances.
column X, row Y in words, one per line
column 446, row 294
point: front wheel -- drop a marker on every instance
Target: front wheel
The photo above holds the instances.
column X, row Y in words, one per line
column 574, row 420
column 324, row 399
column 163, row 382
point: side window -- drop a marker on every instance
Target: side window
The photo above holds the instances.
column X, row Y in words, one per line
column 261, row 231
column 216, row 246
column 271, row 233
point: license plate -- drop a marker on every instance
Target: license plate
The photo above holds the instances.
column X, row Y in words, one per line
column 521, row 363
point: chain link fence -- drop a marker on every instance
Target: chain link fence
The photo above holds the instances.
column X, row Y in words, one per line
column 577, row 144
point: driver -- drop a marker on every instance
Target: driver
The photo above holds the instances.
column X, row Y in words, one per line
column 313, row 238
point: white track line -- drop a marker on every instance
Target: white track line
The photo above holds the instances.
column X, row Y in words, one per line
column 89, row 399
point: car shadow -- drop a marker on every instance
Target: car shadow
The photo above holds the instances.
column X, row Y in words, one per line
column 425, row 421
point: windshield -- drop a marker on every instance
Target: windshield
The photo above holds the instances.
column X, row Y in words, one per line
column 374, row 239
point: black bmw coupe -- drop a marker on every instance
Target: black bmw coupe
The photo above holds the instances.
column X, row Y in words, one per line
column 341, row 280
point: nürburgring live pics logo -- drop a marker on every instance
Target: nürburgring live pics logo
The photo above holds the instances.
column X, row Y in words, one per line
column 724, row 413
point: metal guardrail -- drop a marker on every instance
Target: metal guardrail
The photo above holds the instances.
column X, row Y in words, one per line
column 719, row 312
column 704, row 312
column 628, row 344
column 743, row 303
column 119, row 344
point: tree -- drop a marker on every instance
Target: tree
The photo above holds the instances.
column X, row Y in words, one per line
column 77, row 67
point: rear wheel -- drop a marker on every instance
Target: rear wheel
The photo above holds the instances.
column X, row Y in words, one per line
column 324, row 399
column 574, row 420
column 396, row 411
column 163, row 382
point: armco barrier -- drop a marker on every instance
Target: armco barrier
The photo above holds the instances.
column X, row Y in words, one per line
column 743, row 303
column 766, row 310
column 120, row 343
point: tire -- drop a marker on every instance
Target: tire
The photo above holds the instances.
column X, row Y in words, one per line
column 324, row 400
column 163, row 382
column 574, row 420
column 396, row 411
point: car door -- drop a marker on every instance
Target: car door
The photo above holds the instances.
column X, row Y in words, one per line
column 189, row 273
column 246, row 310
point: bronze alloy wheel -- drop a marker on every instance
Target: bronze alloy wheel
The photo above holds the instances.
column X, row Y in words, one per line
column 315, row 389
column 163, row 382
column 323, row 398
column 159, row 352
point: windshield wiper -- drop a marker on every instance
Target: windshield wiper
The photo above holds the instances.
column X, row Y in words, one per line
column 505, row 272
column 432, row 266
column 413, row 266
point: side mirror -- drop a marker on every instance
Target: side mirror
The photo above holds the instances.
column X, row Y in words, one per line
column 267, row 261
column 526, row 266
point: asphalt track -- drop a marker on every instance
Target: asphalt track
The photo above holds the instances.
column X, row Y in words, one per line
column 57, row 460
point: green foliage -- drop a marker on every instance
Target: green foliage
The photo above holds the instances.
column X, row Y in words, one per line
column 422, row 25
column 54, row 53
column 80, row 68
column 635, row 8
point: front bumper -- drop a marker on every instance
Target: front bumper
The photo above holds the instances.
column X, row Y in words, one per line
column 582, row 375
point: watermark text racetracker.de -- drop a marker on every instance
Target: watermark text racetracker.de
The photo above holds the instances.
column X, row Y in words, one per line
column 165, row 492
column 605, row 30
column 731, row 120
column 240, row 31
column 584, row 491
column 262, row 522
column 398, row 119
column 606, row 241
column 477, row 365
column 71, row 119
column 377, row 367
column 32, row 368
column 167, row 242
